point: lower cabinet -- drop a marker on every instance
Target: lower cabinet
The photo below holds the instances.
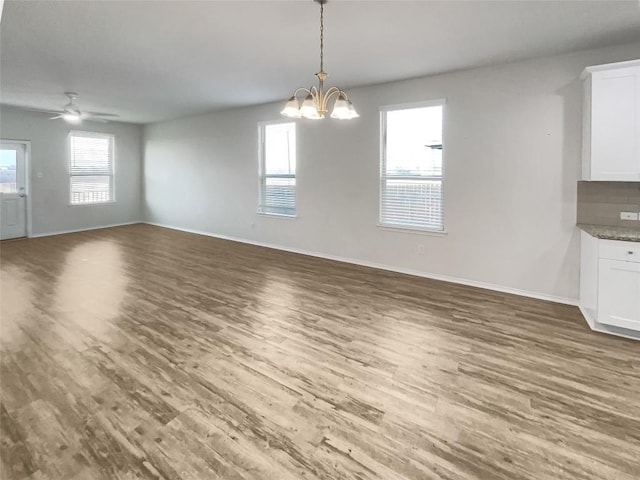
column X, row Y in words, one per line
column 610, row 285
column 619, row 293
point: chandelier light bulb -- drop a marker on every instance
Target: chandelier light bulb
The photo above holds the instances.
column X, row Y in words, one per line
column 352, row 111
column 291, row 109
column 341, row 109
column 308, row 108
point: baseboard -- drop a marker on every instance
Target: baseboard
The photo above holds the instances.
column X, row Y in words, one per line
column 587, row 316
column 63, row 232
column 381, row 266
column 607, row 329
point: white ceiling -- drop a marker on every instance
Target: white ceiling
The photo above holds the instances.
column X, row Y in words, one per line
column 149, row 61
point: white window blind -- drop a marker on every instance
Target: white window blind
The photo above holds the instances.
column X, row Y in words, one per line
column 91, row 167
column 411, row 169
column 278, row 169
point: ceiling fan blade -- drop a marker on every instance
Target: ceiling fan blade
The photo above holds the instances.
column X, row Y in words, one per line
column 95, row 119
column 102, row 114
column 50, row 112
column 56, row 117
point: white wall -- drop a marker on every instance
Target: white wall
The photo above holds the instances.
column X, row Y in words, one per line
column 512, row 150
column 51, row 212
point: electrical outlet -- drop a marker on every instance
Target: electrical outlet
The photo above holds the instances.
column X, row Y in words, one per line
column 628, row 216
column 420, row 249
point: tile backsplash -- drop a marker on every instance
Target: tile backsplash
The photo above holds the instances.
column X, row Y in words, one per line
column 600, row 203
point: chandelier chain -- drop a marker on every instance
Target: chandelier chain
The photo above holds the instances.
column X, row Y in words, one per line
column 322, row 37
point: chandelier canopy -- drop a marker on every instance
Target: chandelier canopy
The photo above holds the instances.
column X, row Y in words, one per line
column 316, row 100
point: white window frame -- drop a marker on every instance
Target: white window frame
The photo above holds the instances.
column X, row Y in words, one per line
column 112, row 174
column 383, row 176
column 262, row 176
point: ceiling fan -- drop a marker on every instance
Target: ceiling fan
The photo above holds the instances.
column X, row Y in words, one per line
column 72, row 114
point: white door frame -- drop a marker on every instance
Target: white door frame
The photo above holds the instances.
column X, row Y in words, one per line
column 27, row 175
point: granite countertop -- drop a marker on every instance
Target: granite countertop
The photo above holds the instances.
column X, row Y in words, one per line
column 609, row 232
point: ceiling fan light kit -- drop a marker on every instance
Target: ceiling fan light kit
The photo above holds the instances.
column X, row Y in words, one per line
column 72, row 118
column 70, row 112
column 316, row 100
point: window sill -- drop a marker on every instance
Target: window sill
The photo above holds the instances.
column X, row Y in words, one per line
column 277, row 215
column 414, row 230
column 96, row 204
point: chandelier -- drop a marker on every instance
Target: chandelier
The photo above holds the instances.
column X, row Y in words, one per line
column 316, row 100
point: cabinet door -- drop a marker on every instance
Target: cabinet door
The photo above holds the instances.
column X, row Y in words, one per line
column 615, row 124
column 619, row 293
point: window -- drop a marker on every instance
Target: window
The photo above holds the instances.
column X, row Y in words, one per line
column 91, row 167
column 278, row 169
column 8, row 170
column 411, row 166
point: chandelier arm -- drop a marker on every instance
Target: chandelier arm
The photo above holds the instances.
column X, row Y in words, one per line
column 346, row 97
column 302, row 89
column 331, row 91
column 316, row 94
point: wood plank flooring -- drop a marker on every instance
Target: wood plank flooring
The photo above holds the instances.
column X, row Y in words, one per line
column 142, row 352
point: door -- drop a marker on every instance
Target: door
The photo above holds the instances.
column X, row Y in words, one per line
column 13, row 190
column 619, row 293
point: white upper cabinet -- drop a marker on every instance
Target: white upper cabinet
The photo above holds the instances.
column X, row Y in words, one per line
column 611, row 128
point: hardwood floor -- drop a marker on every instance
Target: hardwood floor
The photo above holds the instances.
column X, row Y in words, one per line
column 142, row 352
